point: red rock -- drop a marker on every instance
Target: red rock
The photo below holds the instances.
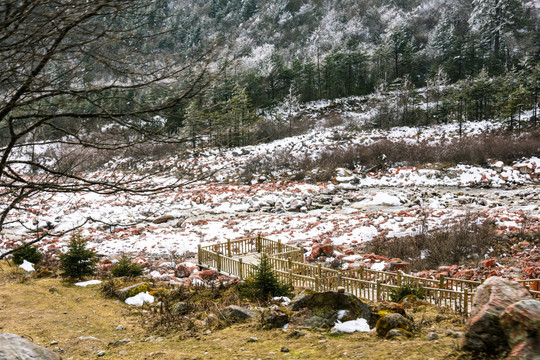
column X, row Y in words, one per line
column 520, row 321
column 485, row 334
column 488, row 264
column 438, row 276
column 316, row 251
column 209, row 275
column 493, row 273
column 349, row 252
column 182, row 271
column 528, row 349
column 464, row 274
column 400, row 265
column 452, row 270
column 328, row 249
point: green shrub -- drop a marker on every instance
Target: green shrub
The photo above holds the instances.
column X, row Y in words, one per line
column 406, row 288
column 126, row 267
column 78, row 261
column 263, row 283
column 28, row 253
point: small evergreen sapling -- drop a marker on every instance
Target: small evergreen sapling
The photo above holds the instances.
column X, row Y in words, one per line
column 28, row 253
column 126, row 267
column 78, row 261
column 263, row 283
column 406, row 288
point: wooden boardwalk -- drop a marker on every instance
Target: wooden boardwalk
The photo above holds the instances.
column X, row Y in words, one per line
column 239, row 258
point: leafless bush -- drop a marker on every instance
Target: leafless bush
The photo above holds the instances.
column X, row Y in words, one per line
column 180, row 307
column 475, row 150
column 468, row 239
column 333, row 119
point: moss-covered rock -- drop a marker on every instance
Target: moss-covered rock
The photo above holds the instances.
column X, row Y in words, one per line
column 395, row 334
column 126, row 291
column 393, row 321
column 324, row 308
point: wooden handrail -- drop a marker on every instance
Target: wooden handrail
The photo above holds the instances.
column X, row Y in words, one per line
column 370, row 284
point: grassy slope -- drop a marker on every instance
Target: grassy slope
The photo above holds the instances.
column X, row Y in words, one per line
column 31, row 310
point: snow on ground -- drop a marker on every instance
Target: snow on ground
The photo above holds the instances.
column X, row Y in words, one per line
column 206, row 213
column 88, row 283
column 355, row 208
column 140, row 299
column 351, row 326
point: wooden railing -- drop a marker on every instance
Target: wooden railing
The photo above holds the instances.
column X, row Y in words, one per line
column 533, row 285
column 374, row 285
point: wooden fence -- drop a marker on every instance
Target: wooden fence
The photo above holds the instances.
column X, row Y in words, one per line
column 288, row 265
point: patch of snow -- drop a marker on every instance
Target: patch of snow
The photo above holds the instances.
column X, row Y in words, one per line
column 385, row 199
column 351, row 326
column 87, row 283
column 140, row 299
column 342, row 313
column 27, row 266
column 378, row 266
column 284, row 300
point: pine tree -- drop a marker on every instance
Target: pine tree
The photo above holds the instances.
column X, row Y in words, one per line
column 493, row 21
column 78, row 261
column 263, row 283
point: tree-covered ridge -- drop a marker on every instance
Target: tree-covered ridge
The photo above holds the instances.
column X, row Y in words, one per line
column 326, row 50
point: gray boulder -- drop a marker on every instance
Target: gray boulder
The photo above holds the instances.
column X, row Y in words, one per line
column 274, row 319
column 323, row 309
column 521, row 325
column 484, row 333
column 15, row 347
column 235, row 314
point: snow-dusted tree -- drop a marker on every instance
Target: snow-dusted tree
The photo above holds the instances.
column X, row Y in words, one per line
column 436, row 89
column 234, row 119
column 290, row 103
column 407, row 99
column 87, row 80
column 442, row 39
column 399, row 46
column 495, row 22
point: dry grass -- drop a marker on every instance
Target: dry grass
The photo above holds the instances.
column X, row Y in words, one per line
column 32, row 310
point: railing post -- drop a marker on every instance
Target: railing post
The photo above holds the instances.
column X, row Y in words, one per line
column 340, row 278
column 279, row 246
column 361, row 273
column 289, row 264
column 466, row 301
column 399, row 278
column 441, row 282
column 229, row 247
column 199, row 254
column 291, row 277
column 258, row 246
column 378, row 290
column 218, row 261
column 319, row 271
column 317, row 284
column 240, row 275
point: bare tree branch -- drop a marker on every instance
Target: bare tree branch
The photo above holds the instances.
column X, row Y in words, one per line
column 88, row 80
